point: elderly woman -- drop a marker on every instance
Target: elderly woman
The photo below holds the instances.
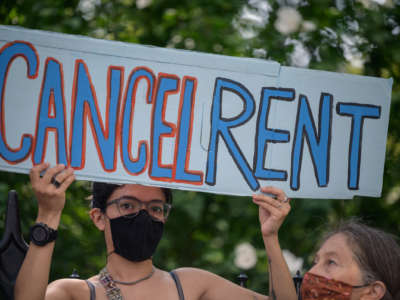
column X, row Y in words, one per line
column 355, row 261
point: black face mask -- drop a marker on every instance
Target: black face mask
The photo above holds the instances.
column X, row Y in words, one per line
column 136, row 238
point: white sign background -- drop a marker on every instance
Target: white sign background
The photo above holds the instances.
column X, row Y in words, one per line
column 232, row 84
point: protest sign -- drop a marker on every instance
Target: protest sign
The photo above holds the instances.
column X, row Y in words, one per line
column 119, row 112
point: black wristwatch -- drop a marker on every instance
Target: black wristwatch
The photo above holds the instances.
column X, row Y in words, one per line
column 41, row 234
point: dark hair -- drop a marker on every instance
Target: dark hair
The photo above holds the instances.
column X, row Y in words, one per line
column 102, row 191
column 376, row 252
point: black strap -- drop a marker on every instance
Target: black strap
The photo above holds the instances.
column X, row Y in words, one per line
column 178, row 285
column 92, row 290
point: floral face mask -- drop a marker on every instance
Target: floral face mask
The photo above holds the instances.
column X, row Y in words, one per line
column 319, row 287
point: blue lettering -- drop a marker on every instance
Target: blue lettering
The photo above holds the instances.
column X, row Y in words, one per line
column 358, row 113
column 52, row 89
column 318, row 143
column 220, row 127
column 8, row 54
column 265, row 135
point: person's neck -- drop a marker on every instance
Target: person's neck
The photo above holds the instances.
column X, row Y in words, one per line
column 122, row 269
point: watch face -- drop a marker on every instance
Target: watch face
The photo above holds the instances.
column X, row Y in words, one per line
column 39, row 233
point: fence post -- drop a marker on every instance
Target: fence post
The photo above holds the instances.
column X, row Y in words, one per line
column 12, row 247
column 242, row 278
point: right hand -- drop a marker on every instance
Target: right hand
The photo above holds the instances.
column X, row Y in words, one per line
column 51, row 198
column 272, row 210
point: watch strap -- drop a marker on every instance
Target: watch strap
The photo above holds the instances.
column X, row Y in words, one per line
column 51, row 234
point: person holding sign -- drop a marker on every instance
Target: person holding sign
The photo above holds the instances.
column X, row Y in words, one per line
column 132, row 218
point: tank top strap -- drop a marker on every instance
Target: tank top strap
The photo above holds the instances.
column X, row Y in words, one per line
column 178, row 285
column 92, row 290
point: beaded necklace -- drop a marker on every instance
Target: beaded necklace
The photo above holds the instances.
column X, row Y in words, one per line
column 112, row 290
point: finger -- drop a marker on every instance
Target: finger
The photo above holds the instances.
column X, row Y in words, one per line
column 67, row 182
column 60, row 177
column 271, row 208
column 264, row 198
column 52, row 171
column 34, row 174
column 279, row 193
column 278, row 212
column 272, row 201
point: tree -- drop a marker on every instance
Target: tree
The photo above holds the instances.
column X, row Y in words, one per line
column 358, row 37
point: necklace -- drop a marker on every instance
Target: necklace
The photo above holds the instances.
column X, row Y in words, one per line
column 136, row 281
column 112, row 290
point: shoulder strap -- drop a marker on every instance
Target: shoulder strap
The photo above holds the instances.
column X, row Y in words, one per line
column 92, row 290
column 178, row 285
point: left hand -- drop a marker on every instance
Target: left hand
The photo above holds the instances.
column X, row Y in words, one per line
column 272, row 211
column 50, row 197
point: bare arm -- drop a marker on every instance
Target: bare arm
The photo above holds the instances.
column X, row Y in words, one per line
column 280, row 280
column 201, row 284
column 207, row 286
column 33, row 276
column 272, row 212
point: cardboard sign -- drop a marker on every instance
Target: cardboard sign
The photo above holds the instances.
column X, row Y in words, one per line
column 127, row 113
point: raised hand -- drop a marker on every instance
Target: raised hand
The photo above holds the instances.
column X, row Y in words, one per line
column 272, row 209
column 50, row 190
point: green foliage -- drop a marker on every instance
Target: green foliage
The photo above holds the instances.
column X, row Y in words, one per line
column 204, row 229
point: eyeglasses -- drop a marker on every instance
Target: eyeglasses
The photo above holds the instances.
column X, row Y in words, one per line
column 129, row 207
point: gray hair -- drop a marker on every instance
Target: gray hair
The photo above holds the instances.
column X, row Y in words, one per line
column 376, row 252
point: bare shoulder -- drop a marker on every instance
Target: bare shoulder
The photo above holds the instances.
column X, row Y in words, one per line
column 202, row 284
column 192, row 272
column 195, row 274
column 194, row 281
column 67, row 289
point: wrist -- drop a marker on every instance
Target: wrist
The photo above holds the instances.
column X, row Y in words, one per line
column 50, row 219
column 41, row 234
column 271, row 239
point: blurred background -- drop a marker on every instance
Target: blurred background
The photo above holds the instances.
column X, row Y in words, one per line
column 221, row 233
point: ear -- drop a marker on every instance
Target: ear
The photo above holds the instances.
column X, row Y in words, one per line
column 375, row 291
column 98, row 218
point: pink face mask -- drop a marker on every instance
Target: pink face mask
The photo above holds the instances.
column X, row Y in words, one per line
column 318, row 287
